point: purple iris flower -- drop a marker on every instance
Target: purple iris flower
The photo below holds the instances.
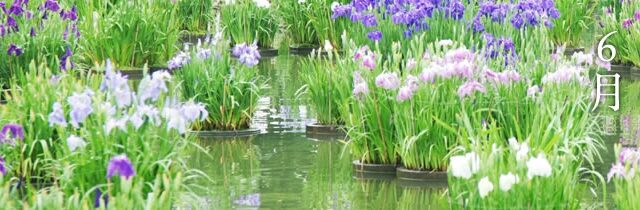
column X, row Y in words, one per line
column 627, row 22
column 375, row 35
column 65, row 60
column 65, row 34
column 3, row 168
column 52, row 5
column 3, row 31
column 369, row 20
column 517, row 21
column 477, row 25
column 531, row 17
column 456, row 10
column 11, row 24
column 100, row 196
column 74, row 29
column 70, row 15
column 32, row 33
column 342, row 11
column 16, row 9
column 17, row 132
column 14, row 50
column 548, row 23
column 120, row 165
column 398, row 18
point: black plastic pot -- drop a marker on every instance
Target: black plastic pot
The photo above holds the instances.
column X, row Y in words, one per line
column 570, row 51
column 373, row 171
column 192, row 38
column 138, row 73
column 634, row 73
column 621, row 69
column 302, row 50
column 324, row 130
column 265, row 53
column 226, row 134
column 421, row 176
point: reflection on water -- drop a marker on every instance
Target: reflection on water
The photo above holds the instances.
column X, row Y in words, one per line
column 284, row 169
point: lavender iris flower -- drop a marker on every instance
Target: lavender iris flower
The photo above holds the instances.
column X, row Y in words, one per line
column 16, row 131
column 404, row 94
column 181, row 59
column 120, row 165
column 247, row 54
column 81, row 107
column 468, row 88
column 193, row 111
column 175, row 119
column 152, row 86
column 117, row 85
column 388, row 81
column 252, row 200
column 56, row 117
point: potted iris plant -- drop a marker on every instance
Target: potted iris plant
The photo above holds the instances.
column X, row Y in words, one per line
column 139, row 34
column 230, row 90
column 247, row 21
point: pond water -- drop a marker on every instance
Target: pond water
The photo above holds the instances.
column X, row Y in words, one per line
column 284, row 169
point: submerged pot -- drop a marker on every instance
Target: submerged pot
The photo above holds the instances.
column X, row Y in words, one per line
column 268, row 52
column 621, row 69
column 264, row 53
column 570, row 51
column 302, row 50
column 138, row 73
column 223, row 134
column 421, row 176
column 192, row 38
column 373, row 171
column 634, row 73
column 324, row 130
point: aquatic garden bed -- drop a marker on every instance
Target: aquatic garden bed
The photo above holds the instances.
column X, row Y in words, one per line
column 224, row 134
